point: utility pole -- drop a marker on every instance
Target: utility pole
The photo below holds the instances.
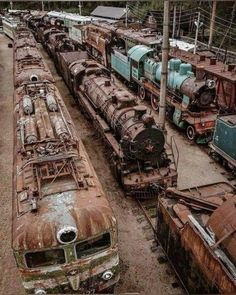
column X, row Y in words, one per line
column 164, row 64
column 126, row 15
column 174, row 23
column 212, row 25
column 42, row 6
column 11, row 5
column 80, row 11
column 198, row 25
column 180, row 12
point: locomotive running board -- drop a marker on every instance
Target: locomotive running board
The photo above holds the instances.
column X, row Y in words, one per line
column 104, row 128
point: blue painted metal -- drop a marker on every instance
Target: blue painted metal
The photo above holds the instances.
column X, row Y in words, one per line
column 224, row 138
column 140, row 52
column 121, row 65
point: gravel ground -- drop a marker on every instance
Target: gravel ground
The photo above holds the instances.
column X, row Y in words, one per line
column 140, row 270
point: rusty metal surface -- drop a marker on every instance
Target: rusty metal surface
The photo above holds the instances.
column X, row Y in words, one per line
column 28, row 62
column 50, row 171
column 71, row 57
column 224, row 75
column 138, row 146
column 223, row 224
column 202, row 221
column 56, row 188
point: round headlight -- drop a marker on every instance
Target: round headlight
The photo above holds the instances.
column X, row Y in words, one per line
column 40, row 292
column 67, row 234
column 107, row 275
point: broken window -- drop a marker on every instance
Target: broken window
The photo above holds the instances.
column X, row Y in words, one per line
column 93, row 246
column 45, row 258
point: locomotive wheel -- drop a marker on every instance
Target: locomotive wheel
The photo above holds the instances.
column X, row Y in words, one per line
column 142, row 93
column 155, row 102
column 191, row 132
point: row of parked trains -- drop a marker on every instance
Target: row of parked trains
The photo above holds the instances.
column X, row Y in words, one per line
column 201, row 97
column 64, row 232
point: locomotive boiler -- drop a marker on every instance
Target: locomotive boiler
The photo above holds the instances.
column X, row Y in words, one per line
column 193, row 92
column 140, row 136
column 137, row 145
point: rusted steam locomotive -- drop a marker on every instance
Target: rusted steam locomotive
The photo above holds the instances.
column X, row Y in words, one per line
column 138, row 149
column 64, row 233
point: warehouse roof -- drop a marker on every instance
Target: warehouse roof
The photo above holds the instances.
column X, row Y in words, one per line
column 109, row 12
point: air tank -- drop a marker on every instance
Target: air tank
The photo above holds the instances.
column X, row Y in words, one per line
column 60, row 128
column 51, row 102
column 27, row 105
column 30, row 131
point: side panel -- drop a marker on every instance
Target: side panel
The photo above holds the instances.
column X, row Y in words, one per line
column 225, row 137
column 121, row 65
column 198, row 268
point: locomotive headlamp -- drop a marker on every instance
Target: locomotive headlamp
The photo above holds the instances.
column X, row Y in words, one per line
column 67, row 234
column 107, row 275
column 210, row 84
column 40, row 291
column 34, row 78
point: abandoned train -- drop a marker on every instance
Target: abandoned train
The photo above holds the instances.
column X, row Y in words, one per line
column 138, row 148
column 64, row 233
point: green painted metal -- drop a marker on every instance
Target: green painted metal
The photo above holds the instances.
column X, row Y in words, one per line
column 139, row 53
column 150, row 68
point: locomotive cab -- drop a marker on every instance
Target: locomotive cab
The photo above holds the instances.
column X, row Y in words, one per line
column 67, row 246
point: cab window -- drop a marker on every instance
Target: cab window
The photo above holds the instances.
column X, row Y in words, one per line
column 45, row 258
column 93, row 246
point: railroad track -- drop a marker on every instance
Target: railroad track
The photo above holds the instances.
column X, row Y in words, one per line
column 148, row 208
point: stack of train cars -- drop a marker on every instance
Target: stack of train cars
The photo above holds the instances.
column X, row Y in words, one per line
column 64, row 233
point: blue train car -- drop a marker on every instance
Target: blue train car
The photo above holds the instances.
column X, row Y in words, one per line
column 223, row 145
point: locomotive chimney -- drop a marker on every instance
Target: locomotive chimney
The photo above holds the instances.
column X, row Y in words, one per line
column 139, row 111
column 202, row 57
column 231, row 67
column 199, row 73
column 212, row 61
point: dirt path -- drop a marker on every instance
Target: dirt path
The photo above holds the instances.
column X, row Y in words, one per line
column 9, row 278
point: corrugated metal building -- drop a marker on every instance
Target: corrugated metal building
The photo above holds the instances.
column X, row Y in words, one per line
column 109, row 12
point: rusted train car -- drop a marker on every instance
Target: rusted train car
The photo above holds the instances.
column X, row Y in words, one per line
column 28, row 62
column 138, row 148
column 223, row 75
column 64, row 233
column 196, row 228
column 99, row 38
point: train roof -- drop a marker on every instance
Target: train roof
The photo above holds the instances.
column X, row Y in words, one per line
column 55, row 186
column 219, row 69
column 69, row 16
column 70, row 57
column 211, row 212
column 85, row 210
column 138, row 52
